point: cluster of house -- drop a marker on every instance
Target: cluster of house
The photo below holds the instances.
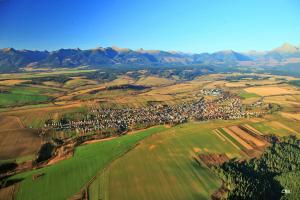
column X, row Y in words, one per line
column 212, row 92
column 226, row 106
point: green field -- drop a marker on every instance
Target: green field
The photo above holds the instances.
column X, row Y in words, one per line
column 295, row 82
column 28, row 75
column 278, row 125
column 163, row 167
column 247, row 95
column 64, row 179
column 21, row 95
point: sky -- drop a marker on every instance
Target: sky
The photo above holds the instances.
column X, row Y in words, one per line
column 183, row 25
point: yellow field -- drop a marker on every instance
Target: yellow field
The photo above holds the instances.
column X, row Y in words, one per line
column 284, row 100
column 154, row 81
column 293, row 116
column 271, row 90
column 12, row 82
column 121, row 80
column 77, row 82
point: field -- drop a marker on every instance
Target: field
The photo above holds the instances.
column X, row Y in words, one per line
column 17, row 141
column 165, row 159
column 67, row 177
column 154, row 81
column 271, row 90
column 23, row 95
column 246, row 95
column 165, row 165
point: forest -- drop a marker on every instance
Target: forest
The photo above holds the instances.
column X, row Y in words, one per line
column 274, row 175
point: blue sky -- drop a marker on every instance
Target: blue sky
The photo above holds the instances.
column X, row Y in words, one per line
column 184, row 25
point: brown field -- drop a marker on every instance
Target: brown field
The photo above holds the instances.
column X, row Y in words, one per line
column 271, row 90
column 247, row 137
column 7, row 193
column 213, row 159
column 10, row 122
column 237, row 138
column 18, row 142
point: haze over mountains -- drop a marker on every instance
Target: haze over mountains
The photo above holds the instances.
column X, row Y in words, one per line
column 12, row 60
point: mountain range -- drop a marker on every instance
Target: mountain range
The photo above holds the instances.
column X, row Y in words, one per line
column 12, row 60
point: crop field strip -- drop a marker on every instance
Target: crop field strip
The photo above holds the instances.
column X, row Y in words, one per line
column 252, row 129
column 239, row 140
column 245, row 136
column 278, row 125
column 223, row 137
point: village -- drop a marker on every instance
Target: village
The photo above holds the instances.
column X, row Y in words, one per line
column 225, row 106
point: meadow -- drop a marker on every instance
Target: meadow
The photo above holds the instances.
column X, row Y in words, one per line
column 21, row 95
column 167, row 160
column 67, row 177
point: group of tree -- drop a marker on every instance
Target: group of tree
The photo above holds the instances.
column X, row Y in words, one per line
column 273, row 175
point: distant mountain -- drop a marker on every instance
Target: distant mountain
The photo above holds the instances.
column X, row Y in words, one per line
column 12, row 60
column 282, row 54
column 287, row 48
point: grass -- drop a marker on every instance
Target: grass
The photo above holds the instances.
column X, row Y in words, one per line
column 64, row 179
column 247, row 95
column 28, row 75
column 25, row 158
column 295, row 83
column 21, row 95
column 272, row 127
column 163, row 167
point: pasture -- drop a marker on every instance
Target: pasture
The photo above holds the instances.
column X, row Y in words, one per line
column 163, row 166
column 67, row 177
column 22, row 95
column 246, row 95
